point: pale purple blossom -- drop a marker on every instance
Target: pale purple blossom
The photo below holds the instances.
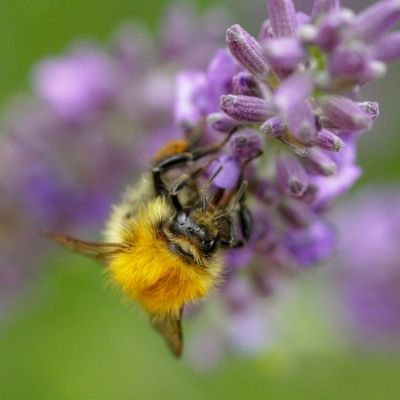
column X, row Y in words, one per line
column 365, row 275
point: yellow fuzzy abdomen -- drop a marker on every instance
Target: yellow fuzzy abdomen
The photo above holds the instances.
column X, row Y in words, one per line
column 151, row 273
column 158, row 279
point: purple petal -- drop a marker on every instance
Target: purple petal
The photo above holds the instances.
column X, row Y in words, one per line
column 246, row 108
column 245, row 144
column 265, row 31
column 330, row 187
column 297, row 213
column 247, row 51
column 246, row 84
column 291, row 176
column 321, row 162
column 387, row 49
column 282, row 14
column 330, row 32
column 284, row 52
column 345, row 113
column 189, row 85
column 293, row 90
column 329, row 141
column 311, row 245
column 274, row 127
column 349, row 61
column 301, row 122
column 377, row 19
column 302, row 18
column 322, row 7
column 229, row 175
column 77, row 85
column 221, row 122
column 219, row 77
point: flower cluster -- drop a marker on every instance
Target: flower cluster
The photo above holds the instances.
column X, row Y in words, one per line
column 68, row 149
column 294, row 94
column 298, row 86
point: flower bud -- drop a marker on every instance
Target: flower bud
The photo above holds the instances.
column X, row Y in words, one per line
column 245, row 144
column 221, row 122
column 329, row 141
column 345, row 113
column 371, row 108
column 311, row 245
column 266, row 191
column 322, row 7
column 246, row 84
column 373, row 70
column 247, row 51
column 377, row 19
column 282, row 14
column 349, row 61
column 274, row 127
column 387, row 49
column 291, row 176
column 321, row 162
column 296, row 213
column 265, row 31
column 292, row 91
column 246, row 108
column 284, row 52
column 330, row 32
column 301, row 122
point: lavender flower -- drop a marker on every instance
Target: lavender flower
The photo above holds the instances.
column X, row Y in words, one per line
column 297, row 86
column 366, row 274
column 77, row 85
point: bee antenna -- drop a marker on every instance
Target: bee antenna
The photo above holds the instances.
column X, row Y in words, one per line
column 239, row 194
column 206, row 187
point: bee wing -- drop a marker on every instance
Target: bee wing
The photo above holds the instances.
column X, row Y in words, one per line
column 98, row 251
column 170, row 328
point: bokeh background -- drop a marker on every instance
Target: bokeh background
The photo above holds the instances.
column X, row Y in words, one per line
column 69, row 337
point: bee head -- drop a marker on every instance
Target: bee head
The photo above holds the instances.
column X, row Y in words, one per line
column 197, row 226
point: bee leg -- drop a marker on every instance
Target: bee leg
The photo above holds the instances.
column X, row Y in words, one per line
column 211, row 149
column 165, row 165
column 182, row 158
column 232, row 241
column 245, row 222
column 240, row 217
column 180, row 183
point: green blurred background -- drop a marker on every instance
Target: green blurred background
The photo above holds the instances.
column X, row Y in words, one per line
column 72, row 338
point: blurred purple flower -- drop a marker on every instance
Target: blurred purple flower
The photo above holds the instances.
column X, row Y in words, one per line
column 367, row 268
column 76, row 86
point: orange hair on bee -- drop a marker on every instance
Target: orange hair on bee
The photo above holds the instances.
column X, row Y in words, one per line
column 171, row 148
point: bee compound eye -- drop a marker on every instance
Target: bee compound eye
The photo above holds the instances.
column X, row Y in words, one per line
column 181, row 218
column 208, row 245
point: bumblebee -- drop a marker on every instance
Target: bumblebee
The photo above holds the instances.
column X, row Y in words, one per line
column 163, row 242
